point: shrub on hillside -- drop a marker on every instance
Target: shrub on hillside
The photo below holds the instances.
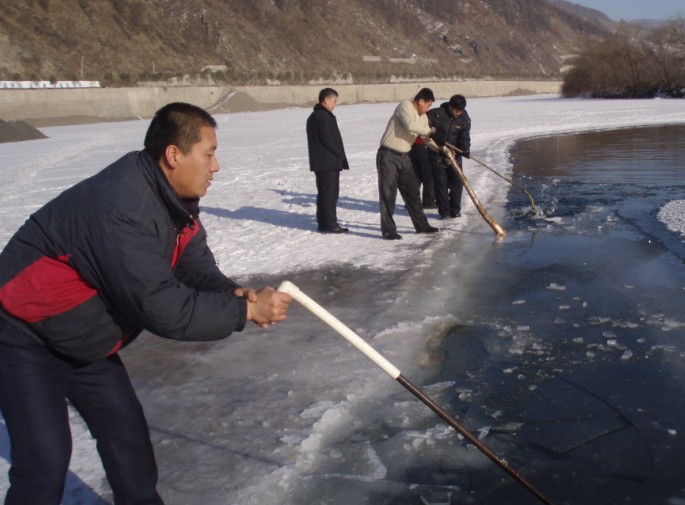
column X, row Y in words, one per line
column 625, row 65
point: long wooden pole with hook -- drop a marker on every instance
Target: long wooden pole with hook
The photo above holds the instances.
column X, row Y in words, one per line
column 530, row 197
column 449, row 156
column 392, row 371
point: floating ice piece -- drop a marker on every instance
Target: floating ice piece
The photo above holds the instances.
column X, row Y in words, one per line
column 672, row 432
column 670, row 324
column 518, row 302
column 556, row 287
column 627, row 354
column 464, row 394
column 511, row 427
column 448, row 502
column 483, row 432
column 599, row 319
column 439, row 386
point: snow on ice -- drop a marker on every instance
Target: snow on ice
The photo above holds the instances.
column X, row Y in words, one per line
column 260, row 210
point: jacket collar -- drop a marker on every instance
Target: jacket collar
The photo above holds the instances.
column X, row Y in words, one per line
column 182, row 211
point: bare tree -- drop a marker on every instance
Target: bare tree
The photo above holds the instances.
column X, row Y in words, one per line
column 631, row 64
column 667, row 50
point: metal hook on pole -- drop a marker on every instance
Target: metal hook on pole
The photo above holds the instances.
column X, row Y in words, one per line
column 392, row 371
column 530, row 197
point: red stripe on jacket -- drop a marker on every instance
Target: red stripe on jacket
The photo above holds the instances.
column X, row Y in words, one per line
column 46, row 288
column 184, row 237
column 50, row 286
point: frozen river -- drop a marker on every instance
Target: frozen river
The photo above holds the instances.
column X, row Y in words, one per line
column 559, row 345
column 562, row 346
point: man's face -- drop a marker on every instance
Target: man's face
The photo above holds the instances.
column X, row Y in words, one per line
column 194, row 170
column 330, row 102
column 423, row 106
column 456, row 112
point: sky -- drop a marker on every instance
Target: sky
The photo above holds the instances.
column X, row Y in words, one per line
column 260, row 218
column 630, row 10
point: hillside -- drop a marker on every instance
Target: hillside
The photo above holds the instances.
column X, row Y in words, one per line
column 251, row 41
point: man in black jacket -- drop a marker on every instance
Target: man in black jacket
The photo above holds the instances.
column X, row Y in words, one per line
column 452, row 125
column 326, row 159
column 118, row 253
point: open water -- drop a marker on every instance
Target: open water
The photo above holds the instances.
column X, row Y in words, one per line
column 572, row 342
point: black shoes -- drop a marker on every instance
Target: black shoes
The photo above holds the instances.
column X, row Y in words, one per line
column 396, row 236
column 430, row 229
column 392, row 236
column 337, row 229
column 451, row 215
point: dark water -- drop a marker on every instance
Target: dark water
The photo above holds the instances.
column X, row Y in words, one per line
column 650, row 156
column 573, row 342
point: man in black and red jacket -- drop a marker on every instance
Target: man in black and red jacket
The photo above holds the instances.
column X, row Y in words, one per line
column 118, row 253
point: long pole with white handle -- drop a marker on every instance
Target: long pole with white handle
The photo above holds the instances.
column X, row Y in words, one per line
column 316, row 309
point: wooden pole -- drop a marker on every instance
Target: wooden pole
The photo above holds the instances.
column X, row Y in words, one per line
column 449, row 156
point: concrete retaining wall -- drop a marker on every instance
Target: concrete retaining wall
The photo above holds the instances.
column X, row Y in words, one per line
column 105, row 103
column 353, row 93
column 142, row 102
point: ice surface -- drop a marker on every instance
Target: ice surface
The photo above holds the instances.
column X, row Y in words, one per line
column 260, row 218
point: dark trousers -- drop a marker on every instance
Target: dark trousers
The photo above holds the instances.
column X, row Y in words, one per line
column 424, row 172
column 395, row 172
column 448, row 189
column 328, row 189
column 34, row 386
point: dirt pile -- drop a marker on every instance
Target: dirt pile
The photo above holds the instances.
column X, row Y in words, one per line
column 16, row 131
column 238, row 101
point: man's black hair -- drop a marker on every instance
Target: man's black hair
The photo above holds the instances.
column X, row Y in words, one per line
column 425, row 94
column 176, row 124
column 326, row 93
column 458, row 102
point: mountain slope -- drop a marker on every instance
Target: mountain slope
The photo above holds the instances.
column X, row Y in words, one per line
column 119, row 41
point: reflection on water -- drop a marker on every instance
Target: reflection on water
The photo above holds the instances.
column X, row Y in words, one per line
column 648, row 156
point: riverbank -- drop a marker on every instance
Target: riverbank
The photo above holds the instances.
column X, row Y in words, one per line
column 54, row 107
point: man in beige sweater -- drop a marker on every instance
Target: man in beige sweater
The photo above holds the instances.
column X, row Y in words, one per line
column 395, row 170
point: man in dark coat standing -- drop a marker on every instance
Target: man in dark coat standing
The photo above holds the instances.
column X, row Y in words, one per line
column 452, row 125
column 326, row 159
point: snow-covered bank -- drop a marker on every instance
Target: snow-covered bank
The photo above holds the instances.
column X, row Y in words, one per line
column 260, row 210
column 260, row 218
